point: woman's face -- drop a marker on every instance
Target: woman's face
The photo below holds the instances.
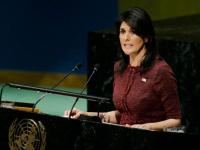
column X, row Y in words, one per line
column 130, row 42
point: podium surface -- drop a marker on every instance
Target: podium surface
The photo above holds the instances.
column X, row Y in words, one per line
column 28, row 130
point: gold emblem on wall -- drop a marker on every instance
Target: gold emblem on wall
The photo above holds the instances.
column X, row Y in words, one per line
column 27, row 134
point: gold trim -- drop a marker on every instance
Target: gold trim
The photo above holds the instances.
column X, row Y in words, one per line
column 28, row 109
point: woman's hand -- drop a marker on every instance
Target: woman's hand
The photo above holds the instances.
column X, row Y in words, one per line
column 110, row 117
column 74, row 114
column 105, row 117
column 146, row 126
column 157, row 126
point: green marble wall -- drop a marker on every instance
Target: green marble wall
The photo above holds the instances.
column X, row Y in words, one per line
column 52, row 103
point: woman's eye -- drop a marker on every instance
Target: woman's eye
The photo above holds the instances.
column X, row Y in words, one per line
column 122, row 31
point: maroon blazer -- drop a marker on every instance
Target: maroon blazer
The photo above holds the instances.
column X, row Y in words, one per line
column 148, row 97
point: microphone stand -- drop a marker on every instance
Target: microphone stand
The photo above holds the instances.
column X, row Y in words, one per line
column 84, row 87
column 76, row 67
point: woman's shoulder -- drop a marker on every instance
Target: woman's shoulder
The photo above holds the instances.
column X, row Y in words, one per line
column 162, row 67
column 161, row 64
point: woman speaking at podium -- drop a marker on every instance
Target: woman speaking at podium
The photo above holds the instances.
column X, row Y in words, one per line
column 144, row 89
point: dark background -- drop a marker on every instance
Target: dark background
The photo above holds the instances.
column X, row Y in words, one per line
column 50, row 35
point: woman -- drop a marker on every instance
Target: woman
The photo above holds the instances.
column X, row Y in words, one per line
column 145, row 89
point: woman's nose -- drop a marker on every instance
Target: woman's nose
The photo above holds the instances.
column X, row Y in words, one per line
column 127, row 36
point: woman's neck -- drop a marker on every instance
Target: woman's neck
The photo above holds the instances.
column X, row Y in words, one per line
column 136, row 58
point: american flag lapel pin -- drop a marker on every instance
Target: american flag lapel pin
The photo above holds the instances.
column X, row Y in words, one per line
column 144, row 79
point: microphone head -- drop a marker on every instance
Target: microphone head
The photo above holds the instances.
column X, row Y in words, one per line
column 96, row 67
column 78, row 66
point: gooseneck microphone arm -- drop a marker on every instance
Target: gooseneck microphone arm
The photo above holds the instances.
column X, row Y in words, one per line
column 84, row 87
column 76, row 67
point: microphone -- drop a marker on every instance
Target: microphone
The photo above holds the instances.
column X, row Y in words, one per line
column 95, row 69
column 75, row 68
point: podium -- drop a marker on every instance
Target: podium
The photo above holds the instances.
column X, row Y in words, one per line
column 29, row 130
